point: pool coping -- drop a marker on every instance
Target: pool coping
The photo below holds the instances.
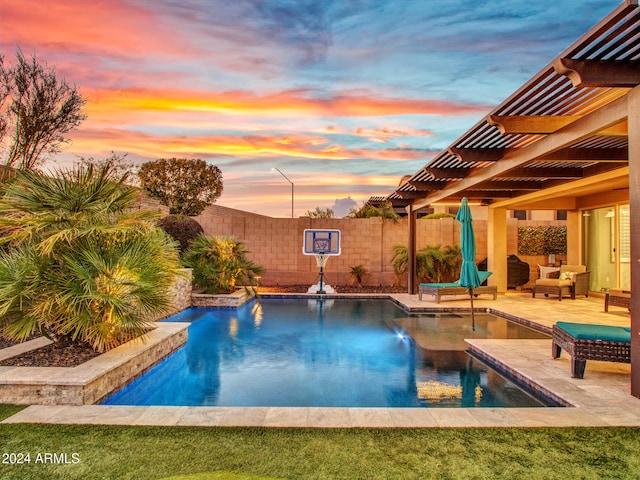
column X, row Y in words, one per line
column 587, row 408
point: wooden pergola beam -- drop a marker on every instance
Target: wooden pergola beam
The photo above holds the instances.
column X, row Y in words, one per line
column 486, row 194
column 616, row 155
column 544, row 172
column 610, row 114
column 509, row 185
column 545, row 124
column 426, row 186
column 477, row 155
column 410, row 195
column 448, row 173
column 599, row 73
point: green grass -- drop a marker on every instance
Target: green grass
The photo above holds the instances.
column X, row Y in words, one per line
column 116, row 452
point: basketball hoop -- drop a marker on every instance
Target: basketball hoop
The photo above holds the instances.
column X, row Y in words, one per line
column 321, row 259
column 322, row 244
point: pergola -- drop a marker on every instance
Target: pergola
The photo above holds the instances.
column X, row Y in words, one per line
column 571, row 132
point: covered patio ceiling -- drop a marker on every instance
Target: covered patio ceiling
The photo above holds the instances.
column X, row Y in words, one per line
column 562, row 135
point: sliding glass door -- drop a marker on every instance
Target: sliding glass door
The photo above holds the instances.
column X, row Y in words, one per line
column 606, row 237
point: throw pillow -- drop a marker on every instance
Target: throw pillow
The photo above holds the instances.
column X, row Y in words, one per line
column 567, row 276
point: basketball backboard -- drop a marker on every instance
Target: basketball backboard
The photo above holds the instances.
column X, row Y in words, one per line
column 325, row 242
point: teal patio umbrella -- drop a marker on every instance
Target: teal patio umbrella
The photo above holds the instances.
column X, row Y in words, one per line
column 469, row 277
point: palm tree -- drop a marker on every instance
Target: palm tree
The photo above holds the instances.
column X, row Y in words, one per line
column 81, row 262
column 433, row 263
column 219, row 264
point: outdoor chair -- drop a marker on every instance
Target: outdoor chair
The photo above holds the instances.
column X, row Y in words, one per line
column 438, row 290
column 617, row 297
column 570, row 280
column 590, row 342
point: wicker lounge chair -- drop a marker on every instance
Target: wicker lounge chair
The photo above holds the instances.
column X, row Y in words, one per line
column 438, row 290
column 617, row 297
column 590, row 342
column 577, row 283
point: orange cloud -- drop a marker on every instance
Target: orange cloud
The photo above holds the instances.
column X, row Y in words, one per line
column 105, row 101
column 95, row 142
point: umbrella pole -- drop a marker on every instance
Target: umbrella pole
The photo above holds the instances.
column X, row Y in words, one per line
column 473, row 315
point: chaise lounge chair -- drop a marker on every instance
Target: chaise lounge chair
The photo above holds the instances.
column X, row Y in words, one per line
column 590, row 342
column 438, row 290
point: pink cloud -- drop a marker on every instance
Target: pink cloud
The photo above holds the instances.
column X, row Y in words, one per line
column 112, row 27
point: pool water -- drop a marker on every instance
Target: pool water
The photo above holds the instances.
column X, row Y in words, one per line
column 328, row 353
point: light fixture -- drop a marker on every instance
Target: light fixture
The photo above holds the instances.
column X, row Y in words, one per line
column 288, row 180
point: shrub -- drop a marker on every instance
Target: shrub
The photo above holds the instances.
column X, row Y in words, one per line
column 433, row 263
column 81, row 262
column 357, row 274
column 219, row 264
column 182, row 229
column 436, row 216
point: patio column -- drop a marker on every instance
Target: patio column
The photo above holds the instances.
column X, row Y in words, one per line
column 497, row 247
column 412, row 281
column 574, row 247
column 634, row 215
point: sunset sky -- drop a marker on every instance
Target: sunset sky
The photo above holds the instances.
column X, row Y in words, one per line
column 343, row 96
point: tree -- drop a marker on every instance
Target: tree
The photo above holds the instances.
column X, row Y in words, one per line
column 319, row 213
column 433, row 263
column 384, row 211
column 82, row 262
column 118, row 165
column 186, row 186
column 37, row 109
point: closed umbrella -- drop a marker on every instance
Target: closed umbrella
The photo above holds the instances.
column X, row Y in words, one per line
column 469, row 277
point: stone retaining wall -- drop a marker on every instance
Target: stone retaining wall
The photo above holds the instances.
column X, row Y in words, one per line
column 232, row 300
column 95, row 379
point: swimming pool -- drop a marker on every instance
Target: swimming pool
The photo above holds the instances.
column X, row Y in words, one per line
column 328, row 353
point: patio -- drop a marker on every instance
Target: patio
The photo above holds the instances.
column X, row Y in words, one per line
column 600, row 399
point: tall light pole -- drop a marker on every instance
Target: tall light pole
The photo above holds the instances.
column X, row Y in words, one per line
column 288, row 180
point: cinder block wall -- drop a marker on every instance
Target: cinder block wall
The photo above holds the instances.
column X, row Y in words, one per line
column 276, row 244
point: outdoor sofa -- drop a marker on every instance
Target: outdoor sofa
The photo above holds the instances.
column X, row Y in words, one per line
column 438, row 290
column 584, row 342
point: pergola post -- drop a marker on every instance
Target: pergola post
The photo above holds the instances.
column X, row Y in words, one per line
column 497, row 247
column 412, row 282
column 634, row 206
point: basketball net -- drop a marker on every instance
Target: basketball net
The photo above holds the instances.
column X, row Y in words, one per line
column 321, row 259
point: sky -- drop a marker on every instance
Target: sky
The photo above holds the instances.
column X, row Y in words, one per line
column 344, row 97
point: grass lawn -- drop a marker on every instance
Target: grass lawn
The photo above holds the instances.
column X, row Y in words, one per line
column 118, row 452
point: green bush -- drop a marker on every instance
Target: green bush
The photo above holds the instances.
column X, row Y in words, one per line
column 357, row 274
column 436, row 216
column 80, row 261
column 219, row 264
column 182, row 229
column 433, row 263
